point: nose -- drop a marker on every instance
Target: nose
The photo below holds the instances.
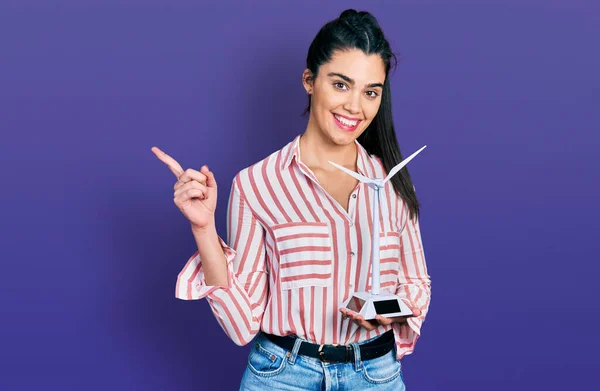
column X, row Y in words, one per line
column 352, row 105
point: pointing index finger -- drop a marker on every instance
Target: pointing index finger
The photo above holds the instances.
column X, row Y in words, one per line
column 169, row 161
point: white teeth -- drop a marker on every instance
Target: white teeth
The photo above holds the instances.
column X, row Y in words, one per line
column 345, row 121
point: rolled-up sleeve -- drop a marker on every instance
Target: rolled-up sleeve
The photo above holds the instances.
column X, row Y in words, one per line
column 414, row 286
column 238, row 307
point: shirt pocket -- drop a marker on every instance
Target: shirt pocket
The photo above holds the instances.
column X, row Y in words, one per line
column 389, row 260
column 305, row 254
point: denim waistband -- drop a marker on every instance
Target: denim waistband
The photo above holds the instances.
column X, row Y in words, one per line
column 291, row 356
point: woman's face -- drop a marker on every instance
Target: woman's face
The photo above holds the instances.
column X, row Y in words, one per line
column 346, row 95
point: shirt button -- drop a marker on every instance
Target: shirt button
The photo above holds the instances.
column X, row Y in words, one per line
column 352, row 253
column 353, row 195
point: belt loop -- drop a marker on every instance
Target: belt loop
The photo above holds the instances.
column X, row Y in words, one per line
column 357, row 361
column 295, row 349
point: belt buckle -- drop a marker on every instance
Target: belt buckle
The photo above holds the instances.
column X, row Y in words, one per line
column 321, row 352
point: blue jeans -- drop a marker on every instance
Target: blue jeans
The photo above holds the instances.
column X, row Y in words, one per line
column 271, row 367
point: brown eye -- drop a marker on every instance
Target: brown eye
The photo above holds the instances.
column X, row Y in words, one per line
column 338, row 83
column 375, row 95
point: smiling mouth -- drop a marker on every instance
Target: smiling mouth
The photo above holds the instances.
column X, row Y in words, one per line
column 346, row 124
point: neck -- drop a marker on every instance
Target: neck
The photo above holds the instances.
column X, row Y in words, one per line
column 316, row 151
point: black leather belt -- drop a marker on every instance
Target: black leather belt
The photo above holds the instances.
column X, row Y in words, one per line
column 337, row 353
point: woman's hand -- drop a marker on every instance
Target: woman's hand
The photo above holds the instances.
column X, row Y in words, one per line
column 379, row 320
column 195, row 192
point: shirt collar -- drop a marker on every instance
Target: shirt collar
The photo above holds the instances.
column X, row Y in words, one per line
column 290, row 152
column 293, row 152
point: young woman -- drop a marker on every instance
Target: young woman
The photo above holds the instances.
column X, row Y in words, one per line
column 299, row 232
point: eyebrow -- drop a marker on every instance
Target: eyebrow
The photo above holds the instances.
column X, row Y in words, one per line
column 349, row 80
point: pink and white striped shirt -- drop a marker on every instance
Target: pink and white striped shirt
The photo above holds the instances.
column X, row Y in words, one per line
column 295, row 255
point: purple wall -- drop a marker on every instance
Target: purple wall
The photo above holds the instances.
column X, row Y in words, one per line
column 506, row 96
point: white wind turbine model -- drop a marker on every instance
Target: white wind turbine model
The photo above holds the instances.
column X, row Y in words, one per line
column 371, row 304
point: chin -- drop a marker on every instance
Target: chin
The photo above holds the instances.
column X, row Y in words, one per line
column 343, row 139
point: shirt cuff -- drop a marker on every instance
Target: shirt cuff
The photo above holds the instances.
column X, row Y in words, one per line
column 191, row 284
column 406, row 334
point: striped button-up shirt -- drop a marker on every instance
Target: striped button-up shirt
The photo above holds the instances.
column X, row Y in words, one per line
column 295, row 255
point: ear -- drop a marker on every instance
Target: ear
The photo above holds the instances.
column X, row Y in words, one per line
column 307, row 81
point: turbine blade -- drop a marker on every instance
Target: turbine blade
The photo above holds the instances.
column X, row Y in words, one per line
column 352, row 173
column 397, row 168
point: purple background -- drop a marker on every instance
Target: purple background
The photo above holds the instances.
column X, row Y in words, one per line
column 505, row 95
